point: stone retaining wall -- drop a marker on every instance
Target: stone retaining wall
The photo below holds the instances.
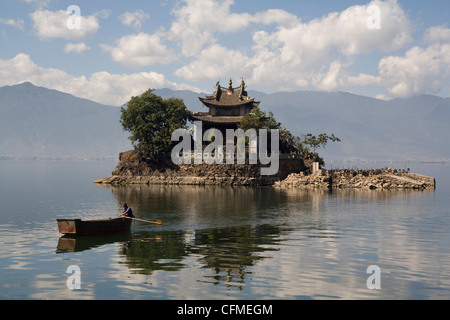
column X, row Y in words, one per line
column 133, row 169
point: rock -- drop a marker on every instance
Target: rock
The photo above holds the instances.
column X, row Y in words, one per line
column 363, row 179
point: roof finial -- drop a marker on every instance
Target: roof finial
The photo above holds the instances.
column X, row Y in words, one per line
column 216, row 93
column 241, row 93
column 230, row 88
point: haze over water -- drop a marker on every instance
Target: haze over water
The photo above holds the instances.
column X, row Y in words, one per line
column 220, row 242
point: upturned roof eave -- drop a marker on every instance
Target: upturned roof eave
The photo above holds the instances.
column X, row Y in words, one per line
column 213, row 102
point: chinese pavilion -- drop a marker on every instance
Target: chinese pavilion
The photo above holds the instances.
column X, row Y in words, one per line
column 227, row 107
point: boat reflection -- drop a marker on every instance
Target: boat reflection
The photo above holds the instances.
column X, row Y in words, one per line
column 74, row 243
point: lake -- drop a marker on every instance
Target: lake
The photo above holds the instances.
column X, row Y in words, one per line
column 220, row 243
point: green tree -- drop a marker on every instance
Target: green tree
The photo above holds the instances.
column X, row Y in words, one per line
column 258, row 119
column 308, row 144
column 151, row 121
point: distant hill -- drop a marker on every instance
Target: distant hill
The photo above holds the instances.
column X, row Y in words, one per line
column 36, row 121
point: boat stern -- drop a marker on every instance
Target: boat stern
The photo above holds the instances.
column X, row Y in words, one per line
column 67, row 226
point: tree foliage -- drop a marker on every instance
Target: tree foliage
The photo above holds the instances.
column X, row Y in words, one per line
column 308, row 144
column 258, row 119
column 305, row 145
column 151, row 121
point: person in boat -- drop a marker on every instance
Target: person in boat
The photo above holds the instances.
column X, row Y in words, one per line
column 127, row 212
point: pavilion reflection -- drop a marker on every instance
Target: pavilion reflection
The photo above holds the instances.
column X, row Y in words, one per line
column 226, row 229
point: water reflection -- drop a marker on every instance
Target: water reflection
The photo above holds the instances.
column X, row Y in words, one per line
column 318, row 242
column 221, row 243
column 74, row 243
column 226, row 251
column 229, row 229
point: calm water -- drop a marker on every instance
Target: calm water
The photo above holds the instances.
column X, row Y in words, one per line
column 220, row 243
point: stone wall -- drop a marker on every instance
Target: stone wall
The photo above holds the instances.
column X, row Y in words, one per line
column 133, row 169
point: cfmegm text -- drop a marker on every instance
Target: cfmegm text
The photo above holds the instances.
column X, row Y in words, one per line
column 226, row 309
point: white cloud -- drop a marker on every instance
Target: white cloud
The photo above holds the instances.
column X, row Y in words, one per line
column 214, row 62
column 281, row 51
column 103, row 14
column 420, row 70
column 54, row 24
column 437, row 34
column 197, row 22
column 76, row 48
column 330, row 81
column 38, row 3
column 16, row 23
column 134, row 19
column 139, row 50
column 295, row 54
column 275, row 16
column 103, row 87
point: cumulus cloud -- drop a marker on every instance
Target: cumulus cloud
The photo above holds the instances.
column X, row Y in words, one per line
column 295, row 54
column 76, row 48
column 197, row 23
column 54, row 24
column 134, row 19
column 103, row 87
column 281, row 50
column 215, row 62
column 194, row 27
column 103, row 14
column 437, row 34
column 16, row 23
column 139, row 50
column 38, row 3
column 420, row 70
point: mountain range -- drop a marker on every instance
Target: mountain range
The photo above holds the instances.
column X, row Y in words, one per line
column 44, row 123
column 39, row 122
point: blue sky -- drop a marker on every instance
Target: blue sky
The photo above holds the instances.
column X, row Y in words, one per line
column 117, row 49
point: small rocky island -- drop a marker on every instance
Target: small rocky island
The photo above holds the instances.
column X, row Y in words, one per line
column 231, row 109
column 135, row 169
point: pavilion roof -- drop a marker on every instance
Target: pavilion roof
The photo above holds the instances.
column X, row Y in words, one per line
column 217, row 119
column 229, row 97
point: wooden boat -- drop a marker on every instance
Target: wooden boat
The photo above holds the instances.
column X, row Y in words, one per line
column 89, row 227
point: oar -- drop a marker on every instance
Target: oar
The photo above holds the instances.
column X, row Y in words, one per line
column 157, row 222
